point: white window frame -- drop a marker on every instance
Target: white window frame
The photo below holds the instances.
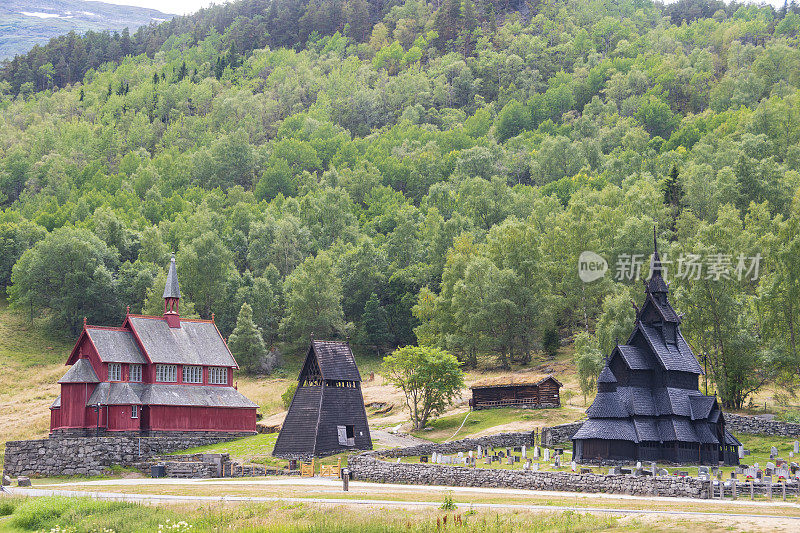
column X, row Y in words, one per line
column 114, row 371
column 135, row 373
column 192, row 374
column 218, row 375
column 166, row 373
column 134, row 411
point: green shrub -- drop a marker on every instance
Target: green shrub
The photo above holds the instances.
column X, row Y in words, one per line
column 287, row 396
column 7, row 507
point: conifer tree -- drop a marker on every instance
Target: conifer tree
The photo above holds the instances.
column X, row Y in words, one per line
column 376, row 323
column 246, row 343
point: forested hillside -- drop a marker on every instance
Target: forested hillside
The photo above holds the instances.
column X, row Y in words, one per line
column 432, row 178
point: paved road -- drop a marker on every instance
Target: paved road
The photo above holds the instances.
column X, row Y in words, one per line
column 321, row 484
column 163, row 498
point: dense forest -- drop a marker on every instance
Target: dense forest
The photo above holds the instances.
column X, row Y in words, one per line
column 430, row 178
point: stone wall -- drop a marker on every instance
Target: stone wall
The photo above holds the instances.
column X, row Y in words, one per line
column 562, row 433
column 368, row 467
column 67, row 456
column 755, row 425
column 501, row 440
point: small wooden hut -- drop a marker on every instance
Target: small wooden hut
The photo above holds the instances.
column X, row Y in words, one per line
column 327, row 414
column 526, row 391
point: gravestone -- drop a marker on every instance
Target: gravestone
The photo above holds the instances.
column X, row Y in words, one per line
column 740, row 449
column 796, row 447
column 423, row 459
column 662, row 472
column 480, row 451
column 470, row 454
column 780, row 462
column 573, row 466
column 488, row 460
column 586, row 470
column 527, row 465
column 535, row 467
column 638, row 465
column 746, row 453
column 558, row 461
column 773, row 452
column 460, row 455
column 23, row 481
column 6, row 481
column 535, row 452
column 524, row 452
column 547, row 455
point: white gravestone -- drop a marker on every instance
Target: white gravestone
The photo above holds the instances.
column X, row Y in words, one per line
column 741, row 452
column 796, row 447
column 524, row 452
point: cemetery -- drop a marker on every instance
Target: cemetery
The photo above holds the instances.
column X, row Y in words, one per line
column 771, row 471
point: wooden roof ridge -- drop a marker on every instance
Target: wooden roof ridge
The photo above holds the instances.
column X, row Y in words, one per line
column 110, row 328
column 161, row 317
column 514, row 380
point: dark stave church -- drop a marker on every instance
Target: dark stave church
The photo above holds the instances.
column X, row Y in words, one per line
column 152, row 375
column 648, row 405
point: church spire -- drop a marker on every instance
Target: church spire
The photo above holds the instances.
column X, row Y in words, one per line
column 172, row 296
column 656, row 283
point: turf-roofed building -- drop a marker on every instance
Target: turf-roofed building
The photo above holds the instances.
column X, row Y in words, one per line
column 648, row 405
column 327, row 414
column 152, row 374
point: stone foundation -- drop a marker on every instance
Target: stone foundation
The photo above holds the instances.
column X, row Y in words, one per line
column 64, row 455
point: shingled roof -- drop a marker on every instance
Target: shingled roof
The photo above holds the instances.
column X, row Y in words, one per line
column 115, row 345
column 121, row 393
column 336, row 361
column 196, row 342
column 80, row 372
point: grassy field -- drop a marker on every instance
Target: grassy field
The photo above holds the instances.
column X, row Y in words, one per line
column 84, row 515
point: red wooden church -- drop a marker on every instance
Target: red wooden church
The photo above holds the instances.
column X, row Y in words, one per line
column 153, row 374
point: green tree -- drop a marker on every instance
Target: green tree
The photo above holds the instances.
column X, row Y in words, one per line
column 512, row 120
column 375, row 323
column 313, row 302
column 588, row 361
column 430, row 379
column 246, row 343
column 205, row 265
column 68, row 274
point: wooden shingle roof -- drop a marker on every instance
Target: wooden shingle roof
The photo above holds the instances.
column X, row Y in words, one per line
column 336, row 360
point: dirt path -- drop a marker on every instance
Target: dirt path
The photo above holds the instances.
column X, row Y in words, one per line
column 395, row 440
